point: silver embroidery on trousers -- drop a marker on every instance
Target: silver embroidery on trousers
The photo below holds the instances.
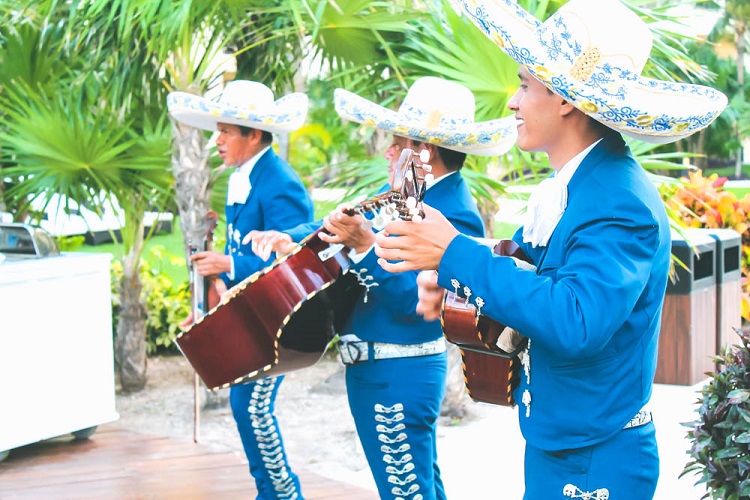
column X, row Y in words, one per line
column 268, row 439
column 399, row 466
column 573, row 491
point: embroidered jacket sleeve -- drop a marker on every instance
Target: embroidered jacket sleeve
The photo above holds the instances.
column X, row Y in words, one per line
column 587, row 282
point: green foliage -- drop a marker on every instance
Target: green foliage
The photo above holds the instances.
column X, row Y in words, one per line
column 167, row 303
column 720, row 435
column 70, row 243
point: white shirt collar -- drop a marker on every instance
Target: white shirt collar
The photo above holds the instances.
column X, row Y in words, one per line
column 247, row 167
column 238, row 188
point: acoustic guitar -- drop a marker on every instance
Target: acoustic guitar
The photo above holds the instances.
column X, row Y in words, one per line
column 490, row 373
column 283, row 317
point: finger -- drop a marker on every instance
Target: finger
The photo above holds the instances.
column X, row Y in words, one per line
column 397, row 227
column 249, row 236
column 329, row 238
column 428, row 279
column 428, row 311
column 398, row 267
column 388, row 250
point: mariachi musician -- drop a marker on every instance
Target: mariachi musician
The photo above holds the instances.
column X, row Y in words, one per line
column 395, row 360
column 264, row 193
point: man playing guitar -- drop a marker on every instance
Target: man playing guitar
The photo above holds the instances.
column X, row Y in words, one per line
column 395, row 360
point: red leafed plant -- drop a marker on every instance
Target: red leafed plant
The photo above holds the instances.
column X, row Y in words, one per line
column 703, row 202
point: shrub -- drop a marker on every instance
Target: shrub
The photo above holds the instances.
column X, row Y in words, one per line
column 167, row 304
column 720, row 435
column 703, row 202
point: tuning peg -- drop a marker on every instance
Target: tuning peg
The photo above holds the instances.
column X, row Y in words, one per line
column 426, row 167
column 429, row 178
column 424, row 156
column 411, row 202
column 416, row 218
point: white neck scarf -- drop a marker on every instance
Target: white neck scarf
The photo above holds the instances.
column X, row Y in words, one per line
column 548, row 202
column 238, row 188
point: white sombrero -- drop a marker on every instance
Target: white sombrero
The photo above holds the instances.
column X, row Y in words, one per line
column 591, row 53
column 435, row 111
column 242, row 102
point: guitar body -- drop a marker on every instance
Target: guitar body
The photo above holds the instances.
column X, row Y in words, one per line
column 278, row 320
column 283, row 317
column 490, row 373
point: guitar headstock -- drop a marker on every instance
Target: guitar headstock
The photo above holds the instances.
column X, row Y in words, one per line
column 410, row 180
column 404, row 199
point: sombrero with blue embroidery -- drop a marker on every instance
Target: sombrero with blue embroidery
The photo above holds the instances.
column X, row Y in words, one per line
column 435, row 111
column 592, row 53
column 243, row 102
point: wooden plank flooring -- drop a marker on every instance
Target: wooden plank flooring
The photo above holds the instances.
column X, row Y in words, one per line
column 120, row 464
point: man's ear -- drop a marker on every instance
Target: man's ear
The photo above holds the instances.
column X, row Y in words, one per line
column 566, row 108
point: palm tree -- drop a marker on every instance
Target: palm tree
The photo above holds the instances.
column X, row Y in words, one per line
column 76, row 124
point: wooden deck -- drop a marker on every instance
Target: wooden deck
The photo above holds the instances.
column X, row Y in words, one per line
column 120, row 464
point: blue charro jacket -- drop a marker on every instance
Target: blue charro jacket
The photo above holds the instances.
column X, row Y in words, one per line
column 389, row 315
column 277, row 200
column 593, row 307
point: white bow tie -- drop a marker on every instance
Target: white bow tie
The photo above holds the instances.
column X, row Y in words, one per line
column 238, row 188
column 544, row 210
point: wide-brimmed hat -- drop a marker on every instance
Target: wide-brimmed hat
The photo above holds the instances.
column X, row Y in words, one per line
column 242, row 102
column 591, row 53
column 435, row 111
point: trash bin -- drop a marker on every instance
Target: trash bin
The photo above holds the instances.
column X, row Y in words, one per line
column 728, row 286
column 687, row 340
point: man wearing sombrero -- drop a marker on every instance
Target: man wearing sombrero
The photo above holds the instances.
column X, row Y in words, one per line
column 597, row 233
column 395, row 360
column 263, row 193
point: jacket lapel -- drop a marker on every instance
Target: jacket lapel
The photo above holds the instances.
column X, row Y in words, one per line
column 263, row 162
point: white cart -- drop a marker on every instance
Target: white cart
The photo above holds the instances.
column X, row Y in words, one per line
column 56, row 356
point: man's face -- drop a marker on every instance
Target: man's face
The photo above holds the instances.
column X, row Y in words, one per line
column 234, row 149
column 538, row 109
column 393, row 153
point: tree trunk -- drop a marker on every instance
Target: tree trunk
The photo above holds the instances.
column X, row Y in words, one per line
column 130, row 341
column 192, row 181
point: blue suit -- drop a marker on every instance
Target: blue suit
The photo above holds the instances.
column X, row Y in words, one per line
column 277, row 200
column 592, row 312
column 395, row 402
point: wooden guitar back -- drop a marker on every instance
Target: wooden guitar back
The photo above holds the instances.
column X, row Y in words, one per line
column 490, row 373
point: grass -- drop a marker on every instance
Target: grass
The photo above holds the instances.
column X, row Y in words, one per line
column 172, row 261
column 172, row 243
column 738, row 192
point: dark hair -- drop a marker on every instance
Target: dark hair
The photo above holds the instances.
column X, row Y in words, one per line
column 453, row 160
column 265, row 138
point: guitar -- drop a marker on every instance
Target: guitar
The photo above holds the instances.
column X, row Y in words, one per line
column 283, row 317
column 490, row 373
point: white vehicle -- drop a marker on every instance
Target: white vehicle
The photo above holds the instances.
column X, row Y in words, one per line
column 65, row 217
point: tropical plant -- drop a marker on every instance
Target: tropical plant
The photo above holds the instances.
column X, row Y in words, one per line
column 73, row 127
column 720, row 435
column 167, row 303
column 702, row 202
